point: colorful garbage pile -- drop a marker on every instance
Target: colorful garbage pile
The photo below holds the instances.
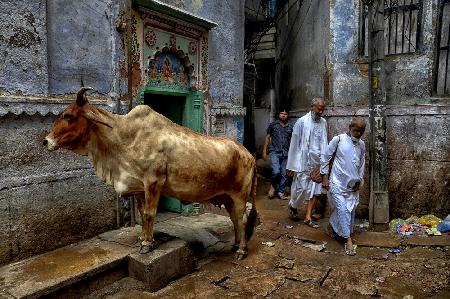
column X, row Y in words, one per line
column 425, row 225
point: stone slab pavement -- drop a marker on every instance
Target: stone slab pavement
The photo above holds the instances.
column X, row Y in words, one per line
column 181, row 241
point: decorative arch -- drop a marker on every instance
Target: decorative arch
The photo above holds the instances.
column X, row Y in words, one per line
column 170, row 67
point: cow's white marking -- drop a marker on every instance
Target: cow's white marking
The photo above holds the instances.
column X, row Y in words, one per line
column 51, row 143
column 121, row 184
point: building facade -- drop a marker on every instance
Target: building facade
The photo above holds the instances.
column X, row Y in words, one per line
column 183, row 58
column 322, row 50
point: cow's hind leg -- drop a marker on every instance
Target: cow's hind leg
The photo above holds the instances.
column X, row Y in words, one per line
column 239, row 206
column 229, row 205
column 152, row 193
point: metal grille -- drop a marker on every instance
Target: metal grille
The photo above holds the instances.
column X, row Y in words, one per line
column 402, row 27
column 441, row 81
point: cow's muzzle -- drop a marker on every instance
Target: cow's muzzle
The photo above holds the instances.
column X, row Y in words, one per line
column 49, row 143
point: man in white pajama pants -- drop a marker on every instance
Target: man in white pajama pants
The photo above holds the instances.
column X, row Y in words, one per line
column 345, row 180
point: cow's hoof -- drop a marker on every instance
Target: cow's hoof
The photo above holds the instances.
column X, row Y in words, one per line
column 240, row 254
column 146, row 247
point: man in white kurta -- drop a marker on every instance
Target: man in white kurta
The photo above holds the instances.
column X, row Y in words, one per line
column 345, row 180
column 308, row 144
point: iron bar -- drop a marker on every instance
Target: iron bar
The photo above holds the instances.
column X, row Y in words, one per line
column 403, row 27
column 446, row 59
column 389, row 35
column 419, row 24
column 438, row 44
column 396, row 31
column 410, row 29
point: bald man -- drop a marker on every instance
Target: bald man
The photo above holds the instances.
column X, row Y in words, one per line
column 345, row 180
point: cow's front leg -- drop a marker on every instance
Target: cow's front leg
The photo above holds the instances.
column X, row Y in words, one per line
column 140, row 199
column 152, row 192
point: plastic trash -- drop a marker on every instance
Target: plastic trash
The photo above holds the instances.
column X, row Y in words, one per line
column 430, row 220
column 268, row 244
column 395, row 250
column 444, row 226
column 413, row 219
column 433, row 232
column 395, row 224
column 364, row 225
column 288, row 226
column 404, row 228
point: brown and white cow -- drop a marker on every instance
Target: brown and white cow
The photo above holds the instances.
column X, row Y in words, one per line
column 145, row 154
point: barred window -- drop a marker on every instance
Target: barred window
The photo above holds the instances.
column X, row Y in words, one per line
column 441, row 81
column 402, row 27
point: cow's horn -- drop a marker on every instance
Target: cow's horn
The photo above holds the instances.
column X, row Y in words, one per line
column 81, row 99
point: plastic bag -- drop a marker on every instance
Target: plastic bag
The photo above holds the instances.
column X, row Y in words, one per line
column 444, row 226
column 433, row 232
column 396, row 224
column 429, row 220
column 412, row 219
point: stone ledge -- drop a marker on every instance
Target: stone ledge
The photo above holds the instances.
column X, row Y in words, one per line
column 67, row 269
column 167, row 262
column 376, row 239
column 443, row 240
column 52, row 271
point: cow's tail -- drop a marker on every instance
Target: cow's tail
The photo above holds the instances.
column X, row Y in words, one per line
column 250, row 211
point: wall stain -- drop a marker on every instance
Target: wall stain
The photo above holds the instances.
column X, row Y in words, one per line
column 24, row 38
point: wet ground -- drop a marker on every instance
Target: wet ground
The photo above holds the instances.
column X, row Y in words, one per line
column 292, row 268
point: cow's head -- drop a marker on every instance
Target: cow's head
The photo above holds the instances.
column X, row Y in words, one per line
column 71, row 128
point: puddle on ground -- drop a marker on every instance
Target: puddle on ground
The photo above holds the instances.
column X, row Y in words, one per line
column 62, row 263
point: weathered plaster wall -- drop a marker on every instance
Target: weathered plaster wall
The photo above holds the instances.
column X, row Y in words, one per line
column 51, row 199
column 301, row 53
column 349, row 83
column 226, row 47
column 23, row 47
column 47, row 199
column 82, row 40
column 417, row 131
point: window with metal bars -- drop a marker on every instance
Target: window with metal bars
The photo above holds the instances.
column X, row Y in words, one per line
column 441, row 80
column 402, row 27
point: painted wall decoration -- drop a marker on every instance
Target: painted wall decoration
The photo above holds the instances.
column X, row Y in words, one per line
column 170, row 62
column 166, row 70
column 192, row 47
column 150, row 38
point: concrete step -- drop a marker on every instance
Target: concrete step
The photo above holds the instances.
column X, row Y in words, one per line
column 80, row 269
column 57, row 270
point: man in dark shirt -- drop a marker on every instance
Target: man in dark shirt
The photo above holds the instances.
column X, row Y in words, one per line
column 279, row 136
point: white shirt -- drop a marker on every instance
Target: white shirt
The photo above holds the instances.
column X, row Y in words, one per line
column 308, row 144
column 348, row 165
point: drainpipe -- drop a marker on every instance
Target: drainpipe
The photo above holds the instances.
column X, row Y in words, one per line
column 379, row 199
column 273, row 109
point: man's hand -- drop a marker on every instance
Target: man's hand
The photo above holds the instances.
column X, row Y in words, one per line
column 290, row 173
column 356, row 187
column 325, row 182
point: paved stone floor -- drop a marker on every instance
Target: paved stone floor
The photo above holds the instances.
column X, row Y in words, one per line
column 291, row 270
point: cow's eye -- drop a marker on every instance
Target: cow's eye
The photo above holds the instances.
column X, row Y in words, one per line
column 68, row 117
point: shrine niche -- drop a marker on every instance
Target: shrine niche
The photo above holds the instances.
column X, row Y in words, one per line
column 170, row 68
column 174, row 53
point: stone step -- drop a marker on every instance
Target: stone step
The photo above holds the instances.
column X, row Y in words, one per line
column 78, row 270
column 59, row 269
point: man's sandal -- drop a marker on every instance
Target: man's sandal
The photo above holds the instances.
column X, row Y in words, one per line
column 311, row 223
column 293, row 214
column 349, row 251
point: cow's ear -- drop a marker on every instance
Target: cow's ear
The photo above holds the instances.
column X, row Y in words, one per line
column 81, row 98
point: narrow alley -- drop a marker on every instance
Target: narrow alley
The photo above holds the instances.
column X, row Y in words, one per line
column 291, row 270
